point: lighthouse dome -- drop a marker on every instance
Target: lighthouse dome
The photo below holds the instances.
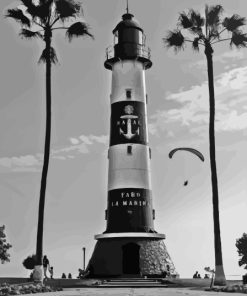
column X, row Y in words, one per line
column 127, row 22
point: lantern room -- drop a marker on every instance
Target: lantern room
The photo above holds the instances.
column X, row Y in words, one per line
column 129, row 43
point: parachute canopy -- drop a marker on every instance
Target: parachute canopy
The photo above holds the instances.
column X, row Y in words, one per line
column 192, row 150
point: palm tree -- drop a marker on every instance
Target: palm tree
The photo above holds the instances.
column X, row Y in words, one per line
column 205, row 32
column 44, row 17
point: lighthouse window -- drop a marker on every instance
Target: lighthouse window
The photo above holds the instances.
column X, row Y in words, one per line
column 129, row 149
column 115, row 41
column 128, row 93
column 153, row 214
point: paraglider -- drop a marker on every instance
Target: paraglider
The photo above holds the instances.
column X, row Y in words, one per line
column 192, row 150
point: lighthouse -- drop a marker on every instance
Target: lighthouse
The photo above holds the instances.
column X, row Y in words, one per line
column 129, row 246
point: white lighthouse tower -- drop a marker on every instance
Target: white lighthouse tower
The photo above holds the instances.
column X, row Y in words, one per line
column 130, row 245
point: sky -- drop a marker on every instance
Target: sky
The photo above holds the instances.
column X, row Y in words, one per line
column 76, row 196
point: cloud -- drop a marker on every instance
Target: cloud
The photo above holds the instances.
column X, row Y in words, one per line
column 226, row 58
column 27, row 163
column 74, row 141
column 33, row 163
column 233, row 122
column 191, row 107
column 85, row 139
column 79, row 148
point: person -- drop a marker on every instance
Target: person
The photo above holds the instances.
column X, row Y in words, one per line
column 198, row 276
column 69, row 276
column 63, row 276
column 206, row 276
column 51, row 272
column 81, row 273
column 168, row 273
column 46, row 264
column 195, row 276
column 164, row 274
column 31, row 276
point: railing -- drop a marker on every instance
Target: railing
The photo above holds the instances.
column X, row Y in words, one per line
column 109, row 52
column 140, row 51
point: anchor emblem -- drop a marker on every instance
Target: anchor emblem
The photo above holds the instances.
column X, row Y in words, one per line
column 130, row 123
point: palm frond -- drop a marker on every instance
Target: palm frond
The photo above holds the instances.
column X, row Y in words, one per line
column 46, row 55
column 31, row 8
column 67, row 8
column 239, row 39
column 214, row 33
column 234, row 22
column 196, row 30
column 184, row 21
column 196, row 18
column 18, row 15
column 78, row 29
column 30, row 34
column 42, row 2
column 195, row 44
column 174, row 39
column 41, row 11
column 27, row 3
column 44, row 9
column 213, row 15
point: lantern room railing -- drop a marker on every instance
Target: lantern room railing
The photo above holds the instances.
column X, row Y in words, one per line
column 141, row 51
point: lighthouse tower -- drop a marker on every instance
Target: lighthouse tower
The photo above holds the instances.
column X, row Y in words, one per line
column 130, row 245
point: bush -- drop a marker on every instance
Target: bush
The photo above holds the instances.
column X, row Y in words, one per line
column 29, row 262
column 4, row 246
column 241, row 245
column 26, row 289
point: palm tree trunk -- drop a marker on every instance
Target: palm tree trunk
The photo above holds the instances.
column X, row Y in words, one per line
column 219, row 270
column 39, row 246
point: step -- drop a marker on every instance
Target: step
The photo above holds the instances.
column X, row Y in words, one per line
column 127, row 282
column 132, row 285
column 134, row 281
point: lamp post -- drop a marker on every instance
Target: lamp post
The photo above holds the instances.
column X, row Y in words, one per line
column 84, row 251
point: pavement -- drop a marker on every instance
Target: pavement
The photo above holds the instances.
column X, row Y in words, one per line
column 134, row 292
column 176, row 287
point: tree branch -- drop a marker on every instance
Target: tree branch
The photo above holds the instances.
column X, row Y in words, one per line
column 222, row 31
column 192, row 42
column 59, row 28
column 38, row 24
column 219, row 34
column 188, row 40
column 55, row 21
column 221, row 40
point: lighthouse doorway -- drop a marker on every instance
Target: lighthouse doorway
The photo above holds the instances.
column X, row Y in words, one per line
column 131, row 255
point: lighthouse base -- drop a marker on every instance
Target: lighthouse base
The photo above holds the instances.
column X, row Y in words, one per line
column 130, row 256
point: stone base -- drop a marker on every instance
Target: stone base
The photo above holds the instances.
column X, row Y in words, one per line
column 123, row 257
column 38, row 273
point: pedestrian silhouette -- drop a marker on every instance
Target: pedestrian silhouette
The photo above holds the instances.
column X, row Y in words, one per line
column 51, row 272
column 46, row 264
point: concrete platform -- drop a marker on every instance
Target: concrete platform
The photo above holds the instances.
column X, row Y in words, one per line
column 135, row 292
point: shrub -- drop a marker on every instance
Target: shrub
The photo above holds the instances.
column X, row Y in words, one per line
column 29, row 262
column 241, row 245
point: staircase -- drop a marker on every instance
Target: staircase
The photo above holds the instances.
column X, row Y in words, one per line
column 132, row 283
